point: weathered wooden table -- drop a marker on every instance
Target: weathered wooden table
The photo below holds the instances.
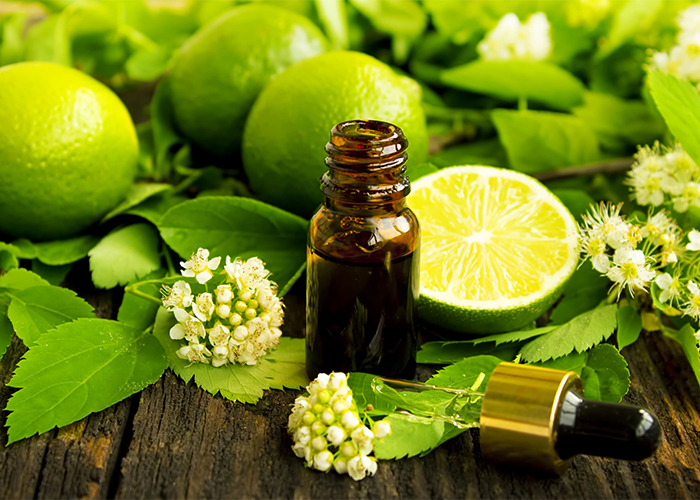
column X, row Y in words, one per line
column 174, row 440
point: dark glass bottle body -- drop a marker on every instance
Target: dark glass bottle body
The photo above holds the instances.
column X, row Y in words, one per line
column 363, row 257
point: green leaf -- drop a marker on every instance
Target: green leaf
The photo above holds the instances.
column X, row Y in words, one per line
column 579, row 334
column 603, row 372
column 12, row 46
column 6, row 330
column 511, row 80
column 165, row 136
column 415, row 173
column 487, row 152
column 284, row 367
column 396, row 17
column 154, row 208
column 462, row 375
column 605, row 376
column 629, row 326
column 125, row 255
column 516, row 336
column 8, row 256
column 679, row 104
column 578, row 202
column 443, row 353
column 636, row 16
column 38, row 309
column 77, row 369
column 537, row 141
column 619, row 123
column 689, row 343
column 334, row 21
column 26, row 249
column 62, row 252
column 53, row 274
column 426, row 434
column 20, row 279
column 238, row 227
column 147, row 64
column 584, row 291
column 363, row 393
column 137, row 194
column 137, row 311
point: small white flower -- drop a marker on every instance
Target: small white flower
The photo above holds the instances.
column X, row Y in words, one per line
column 188, row 327
column 382, row 429
column 364, row 439
column 194, row 353
column 200, row 267
column 302, row 451
column 246, row 275
column 630, row 270
column 511, row 40
column 350, row 420
column 335, row 435
column 219, row 335
column 319, row 384
column 361, row 466
column 301, row 405
column 323, row 461
column 692, row 307
column 180, row 295
column 203, row 307
column 694, row 237
column 337, row 380
column 220, row 354
column 319, row 443
column 340, row 465
column 223, row 311
column 328, row 417
column 302, row 435
column 670, row 286
column 223, row 294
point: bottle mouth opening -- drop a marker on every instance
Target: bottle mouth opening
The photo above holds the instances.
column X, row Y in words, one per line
column 366, row 138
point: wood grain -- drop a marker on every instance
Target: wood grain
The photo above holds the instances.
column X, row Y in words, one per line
column 175, row 441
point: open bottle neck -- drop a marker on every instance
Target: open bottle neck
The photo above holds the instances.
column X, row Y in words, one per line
column 366, row 167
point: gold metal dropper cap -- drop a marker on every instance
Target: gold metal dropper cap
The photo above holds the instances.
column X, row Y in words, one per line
column 520, row 415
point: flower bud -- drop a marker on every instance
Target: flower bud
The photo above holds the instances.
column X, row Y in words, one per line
column 245, row 296
column 319, row 408
column 253, row 304
column 240, row 306
column 364, row 439
column 382, row 429
column 323, row 461
column 224, row 311
column 302, row 435
column 348, row 449
column 250, row 313
column 224, row 294
column 309, row 418
column 335, row 435
column 327, row 417
column 339, row 407
column 235, row 319
column 340, row 465
column 265, row 317
column 324, row 396
column 319, row 443
column 350, row 420
column 318, row 428
column 240, row 333
column 337, row 380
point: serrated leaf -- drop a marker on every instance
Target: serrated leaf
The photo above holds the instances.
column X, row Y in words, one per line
column 79, row 368
column 62, row 252
column 538, row 141
column 605, row 376
column 124, row 255
column 579, row 334
column 8, row 256
column 138, row 193
column 451, row 352
column 603, row 372
column 137, row 311
column 238, row 227
column 53, row 274
column 20, row 279
column 689, row 342
column 540, row 81
column 516, row 336
column 629, row 326
column 283, row 367
column 6, row 330
column 425, row 435
column 679, row 104
column 462, row 375
column 36, row 310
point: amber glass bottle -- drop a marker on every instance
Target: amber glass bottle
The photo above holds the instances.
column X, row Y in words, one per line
column 362, row 257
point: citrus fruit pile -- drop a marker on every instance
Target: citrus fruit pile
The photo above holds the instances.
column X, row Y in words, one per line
column 496, row 248
column 68, row 150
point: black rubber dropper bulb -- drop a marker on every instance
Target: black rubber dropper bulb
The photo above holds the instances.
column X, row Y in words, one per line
column 611, row 430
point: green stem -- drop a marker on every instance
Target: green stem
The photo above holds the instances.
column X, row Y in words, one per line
column 522, row 103
column 132, row 290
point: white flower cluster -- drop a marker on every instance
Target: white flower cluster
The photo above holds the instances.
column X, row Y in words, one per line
column 328, row 432
column 683, row 60
column 665, row 176
column 237, row 323
column 513, row 40
column 641, row 253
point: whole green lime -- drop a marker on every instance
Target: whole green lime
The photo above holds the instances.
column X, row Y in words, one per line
column 220, row 71
column 290, row 123
column 68, row 150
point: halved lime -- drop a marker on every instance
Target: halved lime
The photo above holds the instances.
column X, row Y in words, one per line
column 496, row 248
